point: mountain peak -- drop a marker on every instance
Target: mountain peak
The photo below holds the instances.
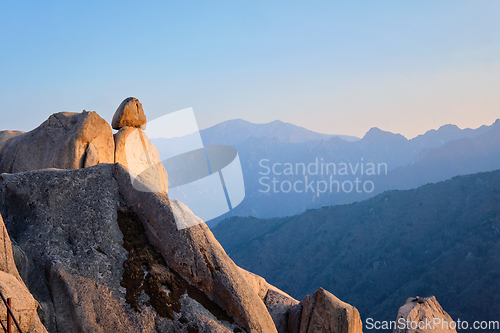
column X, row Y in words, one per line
column 376, row 133
column 233, row 132
column 449, row 128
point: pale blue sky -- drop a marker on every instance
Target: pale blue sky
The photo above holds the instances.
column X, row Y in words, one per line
column 330, row 66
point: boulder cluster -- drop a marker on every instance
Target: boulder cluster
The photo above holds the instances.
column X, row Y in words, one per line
column 70, row 140
column 83, row 248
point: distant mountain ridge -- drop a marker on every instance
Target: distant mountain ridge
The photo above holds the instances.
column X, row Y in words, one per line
column 440, row 239
column 233, row 132
column 462, row 156
column 279, row 142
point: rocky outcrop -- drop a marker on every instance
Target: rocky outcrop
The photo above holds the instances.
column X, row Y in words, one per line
column 102, row 262
column 258, row 283
column 24, row 306
column 129, row 114
column 323, row 312
column 316, row 313
column 277, row 302
column 7, row 263
column 5, row 136
column 196, row 255
column 66, row 140
column 423, row 315
column 141, row 158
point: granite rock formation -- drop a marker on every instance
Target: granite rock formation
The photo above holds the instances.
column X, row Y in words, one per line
column 24, row 306
column 423, row 315
column 67, row 140
column 322, row 312
column 141, row 159
column 99, row 261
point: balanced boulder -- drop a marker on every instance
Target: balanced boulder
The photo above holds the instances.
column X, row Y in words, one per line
column 129, row 113
column 67, row 140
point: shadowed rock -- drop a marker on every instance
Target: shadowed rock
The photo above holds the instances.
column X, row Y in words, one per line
column 196, row 255
column 100, row 262
column 66, row 140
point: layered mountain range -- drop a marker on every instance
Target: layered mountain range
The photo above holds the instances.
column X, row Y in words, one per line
column 440, row 239
column 398, row 163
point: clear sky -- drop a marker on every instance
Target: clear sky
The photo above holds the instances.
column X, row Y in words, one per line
column 338, row 67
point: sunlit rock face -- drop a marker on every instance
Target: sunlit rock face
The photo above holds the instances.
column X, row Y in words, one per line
column 67, row 140
column 425, row 315
column 23, row 305
column 322, row 312
column 141, row 159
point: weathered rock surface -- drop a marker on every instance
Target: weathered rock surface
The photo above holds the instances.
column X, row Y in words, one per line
column 129, row 113
column 418, row 313
column 5, row 136
column 277, row 302
column 24, row 306
column 137, row 153
column 258, row 283
column 7, row 263
column 67, row 140
column 94, row 267
column 196, row 255
column 323, row 312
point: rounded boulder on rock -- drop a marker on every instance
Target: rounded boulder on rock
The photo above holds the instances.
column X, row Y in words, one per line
column 129, row 113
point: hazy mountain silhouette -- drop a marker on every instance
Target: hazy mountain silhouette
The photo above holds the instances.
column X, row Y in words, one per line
column 458, row 157
column 440, row 239
column 233, row 132
column 434, row 156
